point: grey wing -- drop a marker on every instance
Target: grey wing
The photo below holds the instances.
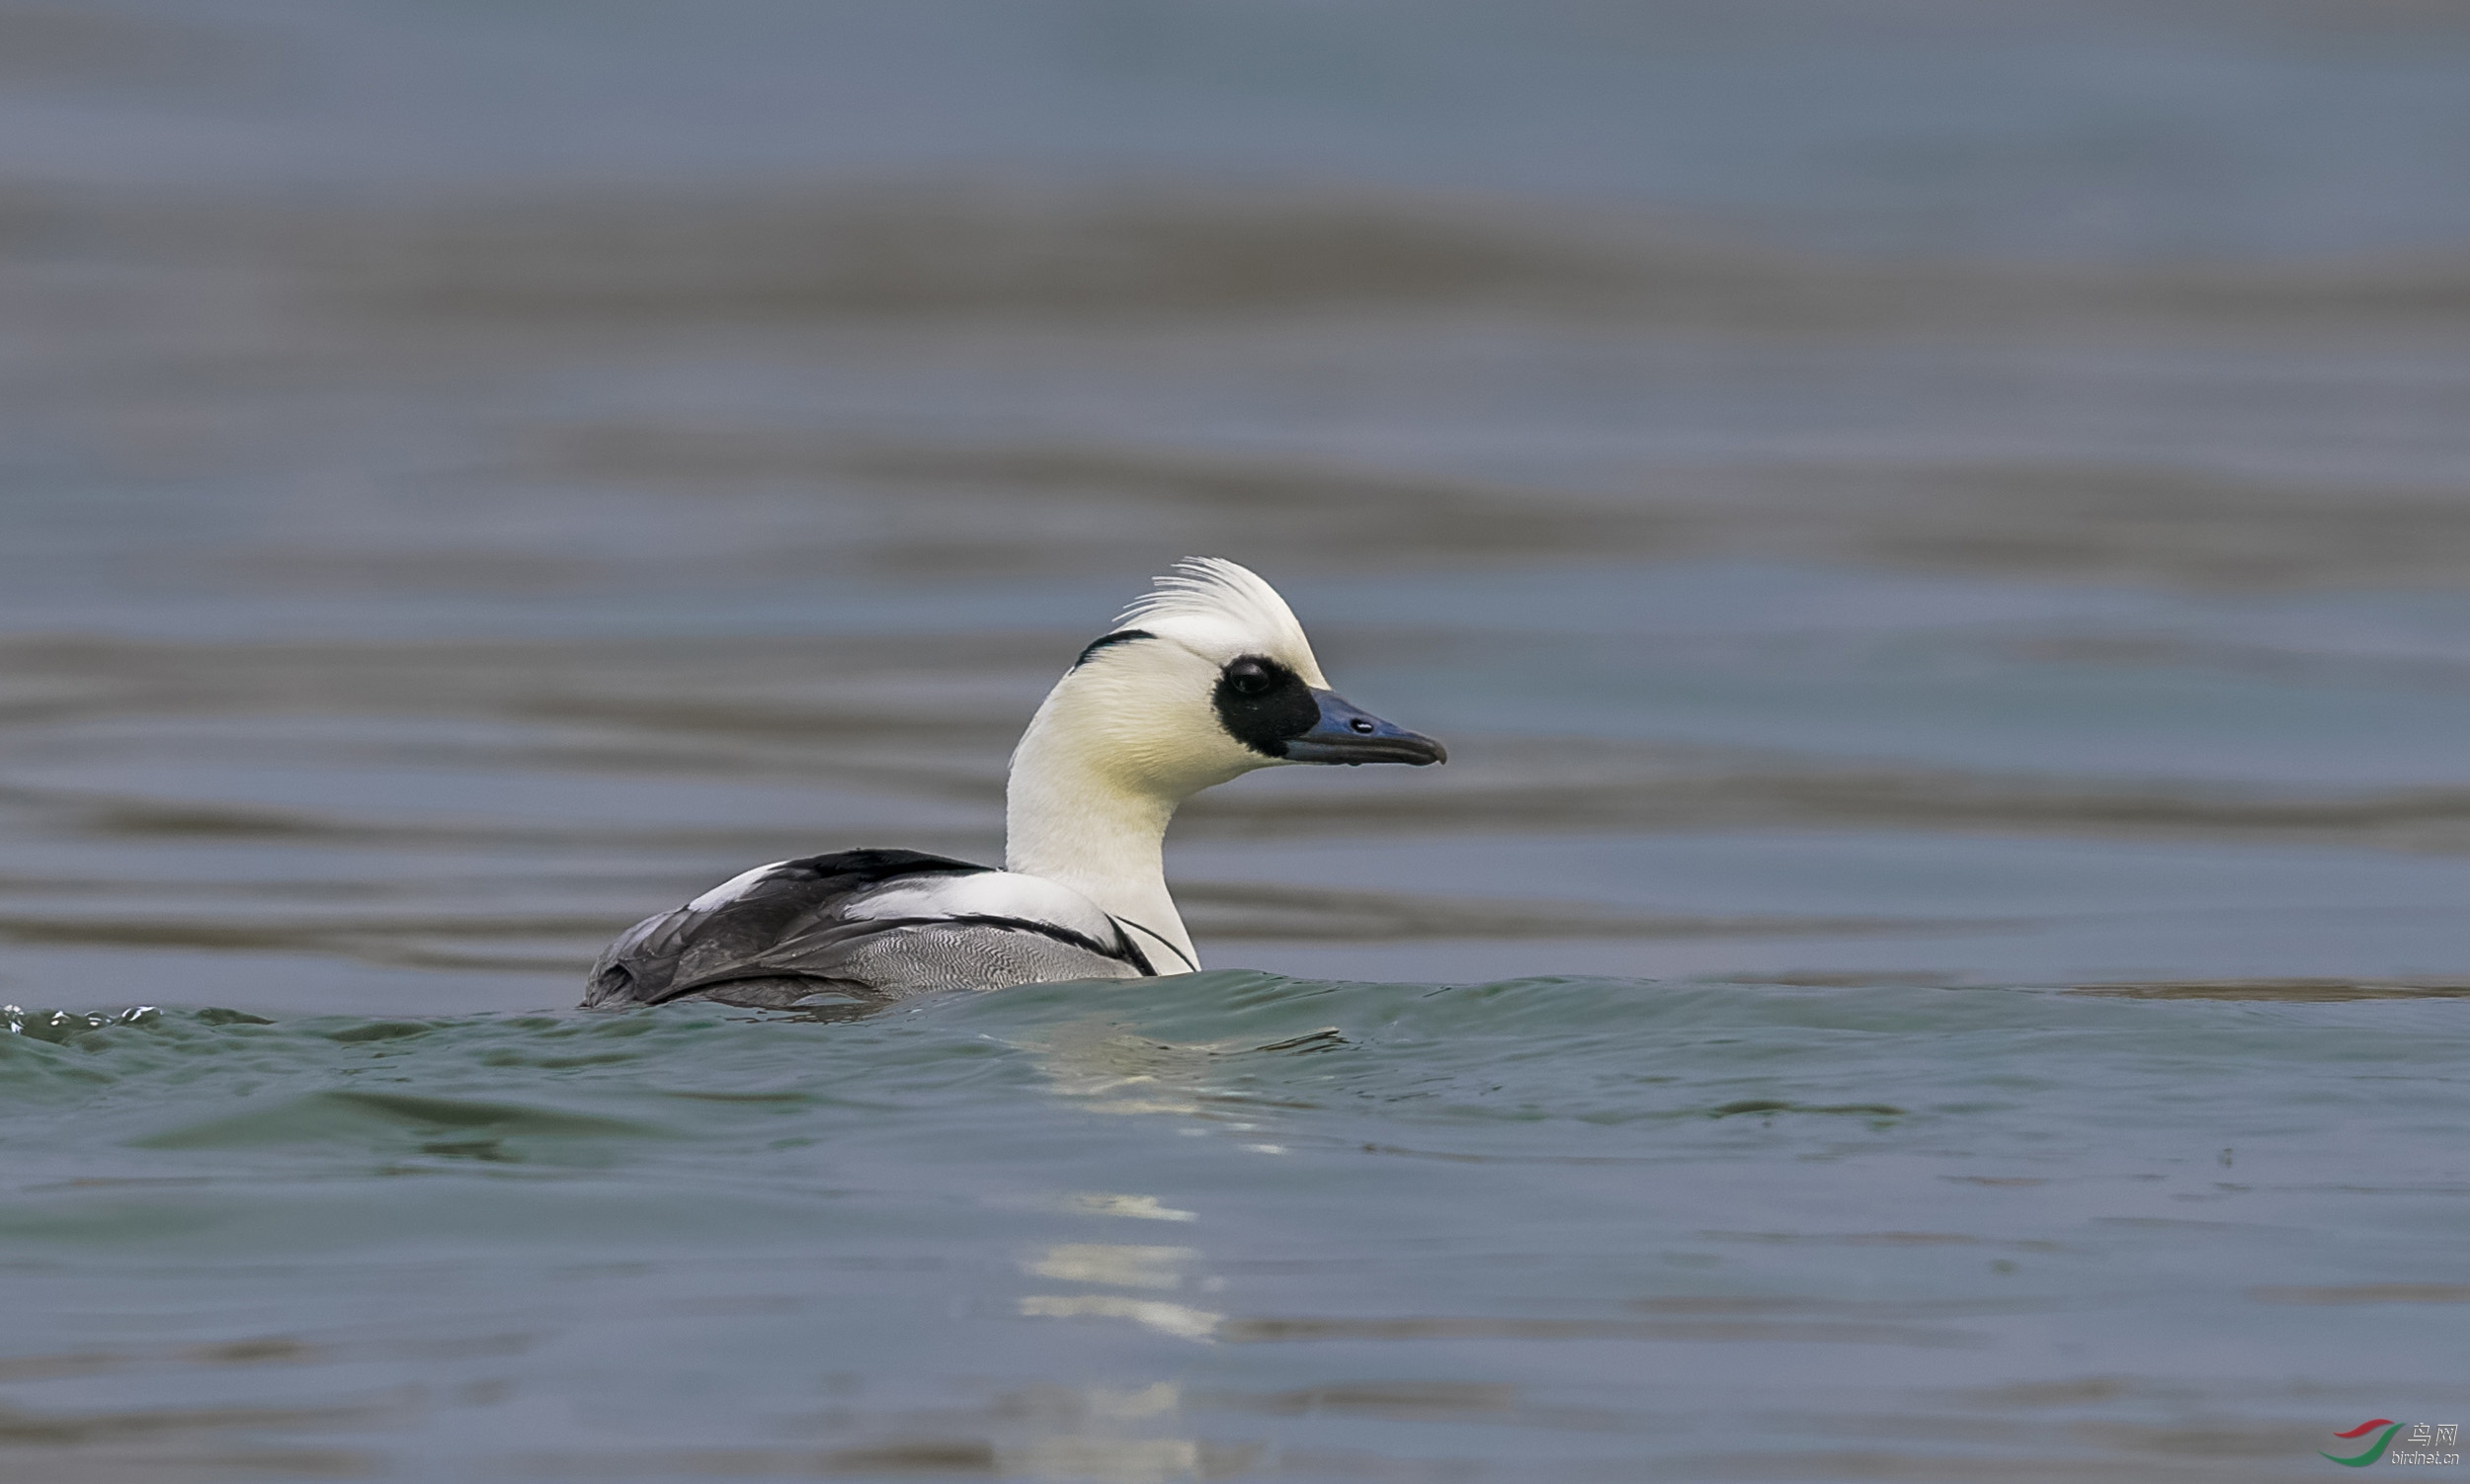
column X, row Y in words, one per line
column 856, row 925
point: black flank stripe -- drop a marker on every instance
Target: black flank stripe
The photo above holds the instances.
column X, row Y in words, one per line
column 1055, row 931
column 1121, row 922
column 1131, row 949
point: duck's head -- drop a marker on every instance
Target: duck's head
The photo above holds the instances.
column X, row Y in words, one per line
column 1207, row 677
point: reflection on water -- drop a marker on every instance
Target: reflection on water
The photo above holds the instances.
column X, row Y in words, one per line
column 1166, row 1318
column 1936, row 535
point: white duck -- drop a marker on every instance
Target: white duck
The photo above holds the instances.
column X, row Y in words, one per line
column 1205, row 677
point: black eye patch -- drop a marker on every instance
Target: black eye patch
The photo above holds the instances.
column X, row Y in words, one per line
column 1263, row 704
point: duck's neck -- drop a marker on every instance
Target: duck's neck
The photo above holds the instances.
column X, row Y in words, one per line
column 1069, row 822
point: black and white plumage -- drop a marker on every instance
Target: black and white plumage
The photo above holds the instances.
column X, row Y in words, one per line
column 864, row 922
column 1206, row 678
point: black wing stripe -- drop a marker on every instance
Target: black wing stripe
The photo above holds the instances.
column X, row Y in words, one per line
column 855, row 870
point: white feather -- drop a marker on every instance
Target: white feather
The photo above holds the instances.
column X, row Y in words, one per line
column 992, row 894
column 731, row 889
column 1226, row 611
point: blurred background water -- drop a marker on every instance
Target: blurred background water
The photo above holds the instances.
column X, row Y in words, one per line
column 1938, row 535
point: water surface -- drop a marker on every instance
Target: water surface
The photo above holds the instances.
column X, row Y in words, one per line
column 1935, row 536
column 1234, row 1227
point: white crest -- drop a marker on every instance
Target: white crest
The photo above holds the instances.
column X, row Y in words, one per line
column 1224, row 605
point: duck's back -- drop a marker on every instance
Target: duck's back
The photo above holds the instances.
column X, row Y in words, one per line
column 870, row 924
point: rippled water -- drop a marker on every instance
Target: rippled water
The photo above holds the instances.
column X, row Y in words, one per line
column 1238, row 1224
column 1936, row 535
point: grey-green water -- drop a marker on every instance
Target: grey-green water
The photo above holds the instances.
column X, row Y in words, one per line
column 1240, row 1225
column 1935, row 534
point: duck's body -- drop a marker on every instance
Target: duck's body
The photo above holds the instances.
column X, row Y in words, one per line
column 1217, row 680
column 864, row 922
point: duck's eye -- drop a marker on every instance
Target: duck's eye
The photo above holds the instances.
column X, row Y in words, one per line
column 1262, row 704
